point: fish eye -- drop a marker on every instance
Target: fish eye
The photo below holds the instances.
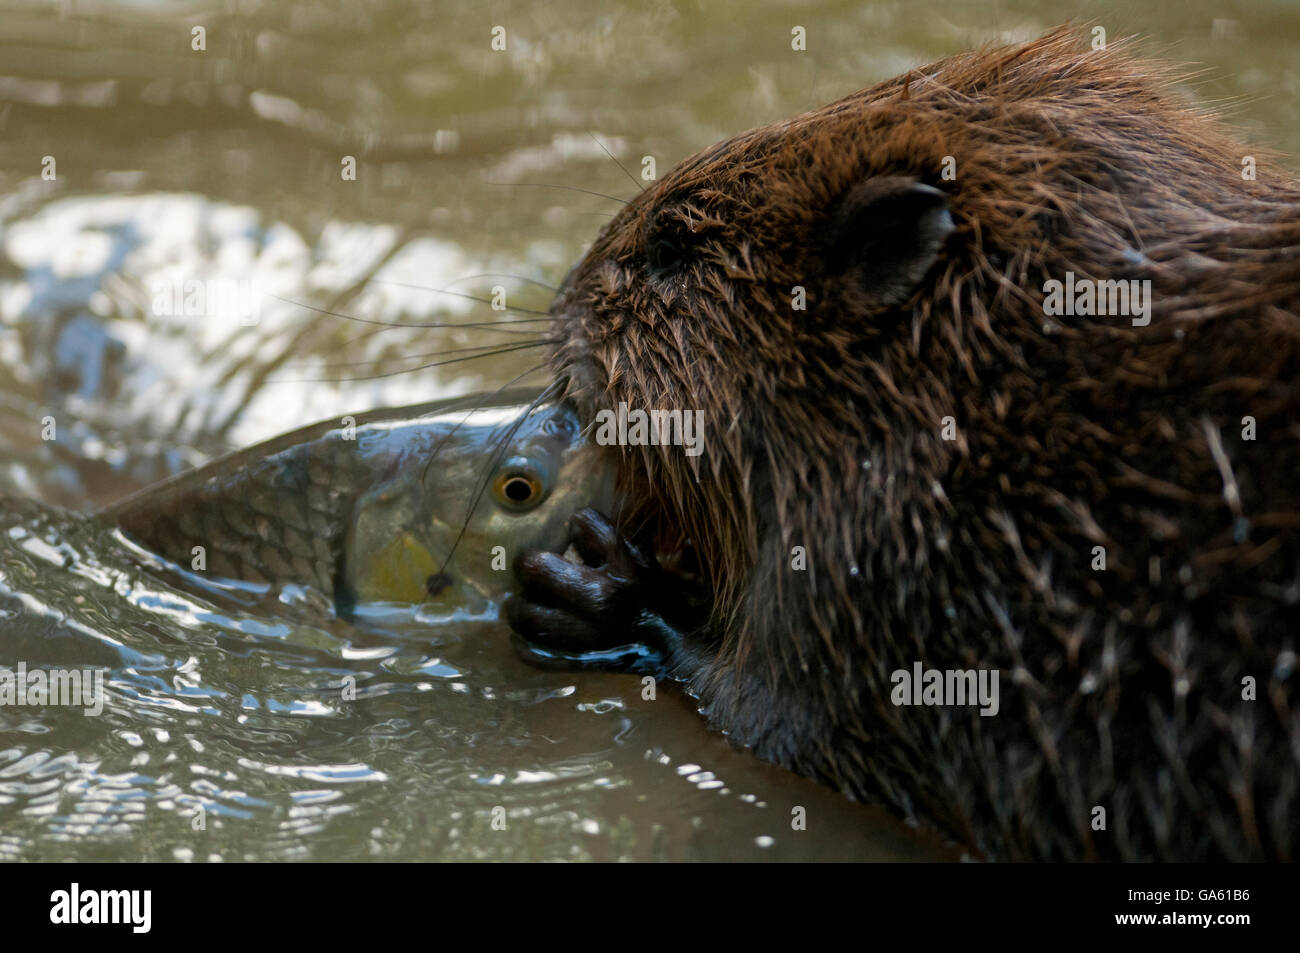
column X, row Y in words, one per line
column 517, row 487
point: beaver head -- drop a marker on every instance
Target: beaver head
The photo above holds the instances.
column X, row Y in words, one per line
column 854, row 300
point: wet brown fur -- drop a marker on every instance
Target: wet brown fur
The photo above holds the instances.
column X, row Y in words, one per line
column 1120, row 689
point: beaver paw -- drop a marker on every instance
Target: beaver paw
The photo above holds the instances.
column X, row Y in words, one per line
column 598, row 613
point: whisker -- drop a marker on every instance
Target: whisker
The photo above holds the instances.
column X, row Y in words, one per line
column 454, row 294
column 411, row 357
column 504, row 349
column 503, row 274
column 417, row 324
column 368, row 335
column 639, row 185
column 567, row 188
column 518, row 332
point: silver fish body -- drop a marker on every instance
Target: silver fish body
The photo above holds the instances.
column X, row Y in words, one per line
column 414, row 504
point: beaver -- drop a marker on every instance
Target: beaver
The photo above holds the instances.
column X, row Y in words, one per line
column 933, row 466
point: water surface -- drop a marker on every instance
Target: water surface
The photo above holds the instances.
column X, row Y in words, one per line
column 474, row 168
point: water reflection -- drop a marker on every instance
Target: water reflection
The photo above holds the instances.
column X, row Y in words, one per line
column 226, row 734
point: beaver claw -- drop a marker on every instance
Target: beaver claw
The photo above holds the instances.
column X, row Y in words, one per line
column 601, row 611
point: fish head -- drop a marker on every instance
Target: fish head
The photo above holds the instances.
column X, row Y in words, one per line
column 447, row 523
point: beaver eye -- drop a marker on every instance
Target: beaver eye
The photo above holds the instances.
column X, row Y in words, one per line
column 517, row 488
column 668, row 246
column 665, row 254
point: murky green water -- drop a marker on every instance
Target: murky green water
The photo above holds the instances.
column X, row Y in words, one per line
column 236, row 722
column 172, row 164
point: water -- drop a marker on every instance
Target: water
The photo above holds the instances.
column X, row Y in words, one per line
column 227, row 735
column 223, row 166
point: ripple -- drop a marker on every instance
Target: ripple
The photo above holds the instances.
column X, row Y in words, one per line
column 337, row 773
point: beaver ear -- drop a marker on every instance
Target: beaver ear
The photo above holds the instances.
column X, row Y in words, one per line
column 886, row 234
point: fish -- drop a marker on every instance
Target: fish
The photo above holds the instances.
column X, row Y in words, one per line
column 422, row 504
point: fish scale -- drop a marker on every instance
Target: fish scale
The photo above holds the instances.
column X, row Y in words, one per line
column 269, row 521
column 360, row 515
